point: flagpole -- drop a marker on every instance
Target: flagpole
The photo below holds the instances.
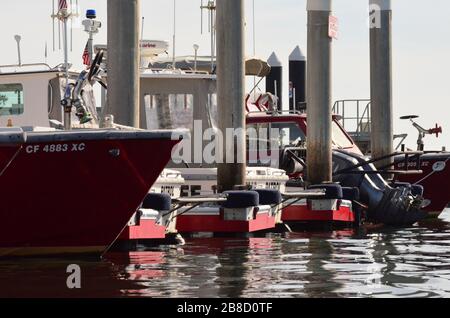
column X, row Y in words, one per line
column 66, row 48
column 64, row 16
column 71, row 27
column 53, row 18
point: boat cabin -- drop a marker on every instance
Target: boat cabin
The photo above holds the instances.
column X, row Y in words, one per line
column 30, row 96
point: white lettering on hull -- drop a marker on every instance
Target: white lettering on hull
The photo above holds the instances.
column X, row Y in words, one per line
column 55, row 148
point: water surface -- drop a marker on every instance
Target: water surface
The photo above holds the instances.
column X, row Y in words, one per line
column 408, row 262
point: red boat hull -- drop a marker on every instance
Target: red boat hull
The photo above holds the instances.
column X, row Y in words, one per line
column 75, row 195
column 192, row 223
column 146, row 230
column 302, row 213
column 436, row 185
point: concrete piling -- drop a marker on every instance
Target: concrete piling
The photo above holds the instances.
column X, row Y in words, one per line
column 230, row 91
column 319, row 132
column 381, row 80
column 123, row 61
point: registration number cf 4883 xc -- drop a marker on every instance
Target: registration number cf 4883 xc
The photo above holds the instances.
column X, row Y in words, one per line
column 55, row 148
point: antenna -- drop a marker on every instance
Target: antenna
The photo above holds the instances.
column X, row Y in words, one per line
column 254, row 39
column 62, row 14
column 71, row 27
column 46, row 52
column 174, row 32
column 196, row 47
column 53, row 27
column 201, row 17
column 142, row 28
column 254, row 28
column 211, row 8
column 18, row 38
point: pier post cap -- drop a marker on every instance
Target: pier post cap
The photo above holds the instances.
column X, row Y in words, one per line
column 297, row 55
column 319, row 5
column 382, row 4
column 274, row 61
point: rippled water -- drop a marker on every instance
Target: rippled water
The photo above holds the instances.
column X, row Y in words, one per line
column 409, row 262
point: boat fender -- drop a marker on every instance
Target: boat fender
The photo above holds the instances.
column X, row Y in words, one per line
column 269, row 196
column 157, row 201
column 241, row 199
column 351, row 194
column 332, row 191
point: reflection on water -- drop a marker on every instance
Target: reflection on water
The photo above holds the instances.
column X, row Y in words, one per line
column 409, row 262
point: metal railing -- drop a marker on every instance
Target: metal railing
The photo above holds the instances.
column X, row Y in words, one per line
column 355, row 116
column 22, row 66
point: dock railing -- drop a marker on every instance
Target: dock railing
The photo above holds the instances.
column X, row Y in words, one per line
column 355, row 116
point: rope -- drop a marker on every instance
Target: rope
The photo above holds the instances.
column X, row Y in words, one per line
column 11, row 160
column 430, row 174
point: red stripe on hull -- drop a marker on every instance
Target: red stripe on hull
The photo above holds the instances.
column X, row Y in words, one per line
column 146, row 230
column 301, row 213
column 215, row 224
column 77, row 198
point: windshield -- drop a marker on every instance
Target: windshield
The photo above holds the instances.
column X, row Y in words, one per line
column 340, row 139
column 289, row 133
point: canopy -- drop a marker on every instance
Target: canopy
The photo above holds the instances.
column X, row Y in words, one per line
column 256, row 67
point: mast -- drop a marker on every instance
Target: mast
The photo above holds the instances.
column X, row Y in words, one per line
column 211, row 8
column 63, row 14
column 174, row 33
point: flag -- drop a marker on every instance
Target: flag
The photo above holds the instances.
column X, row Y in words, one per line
column 86, row 55
column 62, row 5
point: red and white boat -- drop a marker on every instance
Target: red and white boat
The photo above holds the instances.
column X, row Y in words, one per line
column 176, row 98
column 150, row 225
column 214, row 218
column 336, row 209
column 66, row 191
column 432, row 168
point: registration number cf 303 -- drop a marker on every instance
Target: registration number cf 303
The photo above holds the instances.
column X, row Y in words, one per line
column 55, row 148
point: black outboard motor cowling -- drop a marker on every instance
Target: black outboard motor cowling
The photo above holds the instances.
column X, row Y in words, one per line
column 387, row 205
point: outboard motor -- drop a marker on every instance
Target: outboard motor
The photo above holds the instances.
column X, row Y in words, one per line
column 387, row 205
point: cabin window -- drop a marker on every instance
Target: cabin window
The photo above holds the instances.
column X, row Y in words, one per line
column 167, row 111
column 11, row 99
column 290, row 134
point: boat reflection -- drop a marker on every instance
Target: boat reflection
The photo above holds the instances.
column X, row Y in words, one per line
column 383, row 262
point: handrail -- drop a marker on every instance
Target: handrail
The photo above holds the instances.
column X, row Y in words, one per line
column 339, row 107
column 25, row 65
column 276, row 112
